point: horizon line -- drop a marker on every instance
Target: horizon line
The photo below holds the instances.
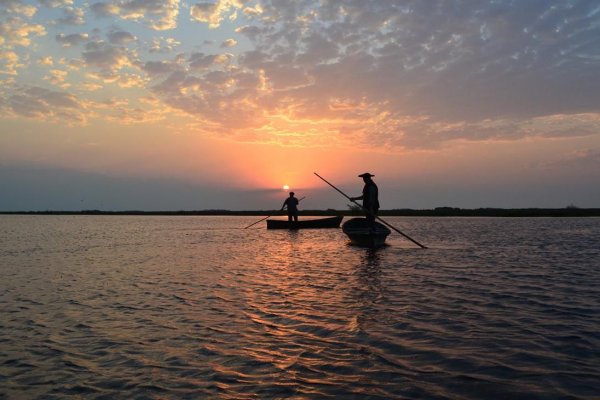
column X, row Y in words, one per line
column 437, row 211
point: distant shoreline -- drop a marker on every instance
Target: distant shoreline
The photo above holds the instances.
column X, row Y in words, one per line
column 436, row 212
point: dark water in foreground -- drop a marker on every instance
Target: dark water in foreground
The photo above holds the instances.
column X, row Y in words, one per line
column 194, row 307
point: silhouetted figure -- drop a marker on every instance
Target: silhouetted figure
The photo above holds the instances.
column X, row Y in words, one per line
column 292, row 207
column 370, row 198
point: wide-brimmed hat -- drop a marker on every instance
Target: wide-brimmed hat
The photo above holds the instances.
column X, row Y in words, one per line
column 365, row 175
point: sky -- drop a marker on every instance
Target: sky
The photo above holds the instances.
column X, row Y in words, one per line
column 185, row 105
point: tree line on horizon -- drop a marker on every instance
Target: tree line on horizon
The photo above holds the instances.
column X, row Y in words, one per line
column 353, row 210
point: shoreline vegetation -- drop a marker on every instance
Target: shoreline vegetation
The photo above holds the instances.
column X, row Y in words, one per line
column 570, row 211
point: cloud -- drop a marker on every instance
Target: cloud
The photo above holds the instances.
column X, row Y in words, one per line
column 201, row 61
column 106, row 57
column 424, row 132
column 49, row 105
column 318, row 49
column 120, row 38
column 17, row 7
column 58, row 77
column 123, row 112
column 90, row 86
column 384, row 74
column 119, row 78
column 72, row 39
column 163, row 45
column 249, row 31
column 131, row 116
column 14, row 31
column 431, row 73
column 253, row 11
column 9, row 62
column 213, row 13
column 72, row 16
column 73, row 64
column 156, row 68
column 229, row 43
column 225, row 99
column 46, row 61
column 56, row 3
column 155, row 14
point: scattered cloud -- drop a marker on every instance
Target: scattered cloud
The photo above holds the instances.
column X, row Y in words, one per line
column 49, row 105
column 201, row 61
column 213, row 13
column 58, row 78
column 423, row 132
column 106, row 57
column 156, row 14
column 9, row 62
column 56, row 3
column 72, row 16
column 120, row 38
column 46, row 61
column 431, row 74
column 73, row 64
column 131, row 116
column 163, row 45
column 121, row 111
column 158, row 68
column 229, row 43
column 72, row 39
column 90, row 86
column 14, row 31
column 253, row 11
column 383, row 74
column 17, row 7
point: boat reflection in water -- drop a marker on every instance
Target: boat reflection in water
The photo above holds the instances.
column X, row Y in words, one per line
column 321, row 223
column 361, row 233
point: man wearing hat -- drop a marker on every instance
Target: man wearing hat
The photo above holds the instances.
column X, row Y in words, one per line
column 370, row 198
column 292, row 207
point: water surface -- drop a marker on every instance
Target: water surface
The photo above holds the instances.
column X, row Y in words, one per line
column 141, row 307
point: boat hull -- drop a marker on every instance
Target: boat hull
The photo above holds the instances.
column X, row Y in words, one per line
column 362, row 234
column 322, row 223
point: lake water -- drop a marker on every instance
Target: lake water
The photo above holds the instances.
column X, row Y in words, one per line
column 136, row 307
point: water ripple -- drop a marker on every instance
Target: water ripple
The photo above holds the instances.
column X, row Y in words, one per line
column 194, row 307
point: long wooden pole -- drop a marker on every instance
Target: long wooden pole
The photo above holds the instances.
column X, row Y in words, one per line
column 260, row 220
column 360, row 205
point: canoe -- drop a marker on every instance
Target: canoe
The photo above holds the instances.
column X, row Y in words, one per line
column 330, row 222
column 361, row 234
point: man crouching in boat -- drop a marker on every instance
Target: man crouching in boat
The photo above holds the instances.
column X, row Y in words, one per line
column 292, row 207
column 370, row 198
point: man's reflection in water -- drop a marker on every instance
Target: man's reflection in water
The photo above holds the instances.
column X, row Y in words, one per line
column 369, row 274
column 293, row 235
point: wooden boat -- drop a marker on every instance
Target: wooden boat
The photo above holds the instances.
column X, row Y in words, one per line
column 362, row 234
column 329, row 222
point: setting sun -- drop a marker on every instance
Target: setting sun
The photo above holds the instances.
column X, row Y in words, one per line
column 286, row 187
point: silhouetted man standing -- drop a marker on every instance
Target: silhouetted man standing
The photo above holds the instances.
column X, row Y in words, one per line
column 370, row 198
column 292, row 207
